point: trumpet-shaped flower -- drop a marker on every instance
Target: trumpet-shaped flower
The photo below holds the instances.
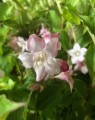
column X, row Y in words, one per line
column 66, row 73
column 66, row 76
column 77, row 53
column 41, row 57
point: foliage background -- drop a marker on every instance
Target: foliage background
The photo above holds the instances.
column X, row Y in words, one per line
column 75, row 20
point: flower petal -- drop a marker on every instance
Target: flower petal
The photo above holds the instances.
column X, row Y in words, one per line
column 35, row 43
column 67, row 77
column 83, row 51
column 84, row 69
column 71, row 52
column 52, row 66
column 74, row 59
column 52, row 47
column 40, row 72
column 81, row 66
column 81, row 58
column 26, row 59
column 76, row 47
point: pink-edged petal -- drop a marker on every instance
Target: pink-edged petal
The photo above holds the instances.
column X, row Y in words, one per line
column 67, row 77
column 76, row 47
column 55, row 35
column 35, row 43
column 26, row 59
column 40, row 72
column 81, row 58
column 49, row 36
column 52, row 66
column 81, row 66
column 43, row 30
column 52, row 47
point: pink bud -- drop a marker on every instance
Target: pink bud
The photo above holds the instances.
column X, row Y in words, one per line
column 64, row 66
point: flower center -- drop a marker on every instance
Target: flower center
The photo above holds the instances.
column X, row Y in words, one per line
column 39, row 58
column 77, row 53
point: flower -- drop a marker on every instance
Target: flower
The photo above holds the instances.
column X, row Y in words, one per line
column 22, row 43
column 41, row 57
column 64, row 66
column 66, row 73
column 51, row 40
column 67, row 76
column 77, row 53
column 81, row 66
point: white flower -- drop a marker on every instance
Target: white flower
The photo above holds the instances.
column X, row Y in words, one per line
column 77, row 53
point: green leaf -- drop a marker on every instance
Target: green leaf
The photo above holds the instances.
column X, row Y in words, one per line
column 91, row 98
column 90, row 61
column 71, row 16
column 50, row 97
column 3, row 33
column 6, row 83
column 77, row 31
column 80, row 88
column 7, row 106
column 65, row 41
column 5, row 10
column 7, row 62
column 89, row 21
column 85, row 40
column 55, row 19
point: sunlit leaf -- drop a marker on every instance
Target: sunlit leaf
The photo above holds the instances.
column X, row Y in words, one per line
column 7, row 106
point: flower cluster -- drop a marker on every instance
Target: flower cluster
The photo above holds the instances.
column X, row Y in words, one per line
column 40, row 54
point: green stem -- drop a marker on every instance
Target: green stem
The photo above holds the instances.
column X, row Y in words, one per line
column 26, row 108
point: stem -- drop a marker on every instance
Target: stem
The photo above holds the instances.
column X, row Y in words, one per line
column 36, row 111
column 25, row 110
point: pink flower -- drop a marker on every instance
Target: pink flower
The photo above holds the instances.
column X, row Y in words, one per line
column 81, row 66
column 41, row 57
column 66, row 76
column 51, row 39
